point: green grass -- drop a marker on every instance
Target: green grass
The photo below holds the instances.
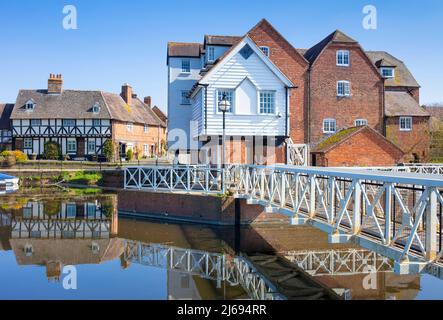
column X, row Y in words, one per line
column 82, row 177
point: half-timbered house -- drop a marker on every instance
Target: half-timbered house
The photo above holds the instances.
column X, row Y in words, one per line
column 81, row 121
column 5, row 126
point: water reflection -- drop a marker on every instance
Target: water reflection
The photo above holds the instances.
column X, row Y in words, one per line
column 54, row 231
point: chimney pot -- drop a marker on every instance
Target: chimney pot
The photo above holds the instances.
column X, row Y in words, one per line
column 126, row 93
column 148, row 101
column 55, row 84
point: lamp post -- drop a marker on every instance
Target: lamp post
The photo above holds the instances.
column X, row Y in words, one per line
column 224, row 105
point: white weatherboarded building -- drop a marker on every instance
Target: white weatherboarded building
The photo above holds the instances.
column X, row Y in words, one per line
column 241, row 72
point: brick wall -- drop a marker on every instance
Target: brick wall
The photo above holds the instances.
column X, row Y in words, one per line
column 363, row 149
column 417, row 141
column 196, row 208
column 138, row 137
column 293, row 65
column 366, row 101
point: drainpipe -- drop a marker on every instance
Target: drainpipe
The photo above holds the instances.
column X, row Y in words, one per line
column 383, row 102
column 308, row 117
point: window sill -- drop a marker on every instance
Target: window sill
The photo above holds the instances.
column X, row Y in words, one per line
column 405, row 130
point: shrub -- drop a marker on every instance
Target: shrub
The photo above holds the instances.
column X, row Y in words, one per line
column 17, row 154
column 108, row 150
column 52, row 150
column 129, row 154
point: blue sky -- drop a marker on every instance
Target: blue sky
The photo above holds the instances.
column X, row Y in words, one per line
column 125, row 41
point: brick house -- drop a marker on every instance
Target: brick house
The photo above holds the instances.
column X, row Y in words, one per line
column 406, row 123
column 5, row 126
column 345, row 88
column 81, row 121
column 356, row 146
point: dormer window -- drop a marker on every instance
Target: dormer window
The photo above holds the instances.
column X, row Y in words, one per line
column 30, row 105
column 96, row 108
column 265, row 50
column 343, row 58
column 387, row 72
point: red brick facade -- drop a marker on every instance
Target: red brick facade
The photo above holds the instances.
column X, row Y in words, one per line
column 415, row 143
column 364, row 148
column 365, row 102
column 294, row 66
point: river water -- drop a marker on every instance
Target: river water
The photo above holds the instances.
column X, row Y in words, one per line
column 74, row 245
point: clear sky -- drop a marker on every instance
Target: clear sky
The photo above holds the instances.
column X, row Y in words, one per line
column 125, row 41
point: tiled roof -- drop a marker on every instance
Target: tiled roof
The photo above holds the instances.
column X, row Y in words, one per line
column 222, row 40
column 77, row 104
column 184, row 49
column 160, row 114
column 138, row 112
column 5, row 115
column 336, row 37
column 346, row 134
column 401, row 103
column 402, row 76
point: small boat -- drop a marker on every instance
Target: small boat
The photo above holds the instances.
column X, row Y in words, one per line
column 8, row 183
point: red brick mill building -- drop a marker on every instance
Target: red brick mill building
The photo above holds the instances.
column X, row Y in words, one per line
column 333, row 86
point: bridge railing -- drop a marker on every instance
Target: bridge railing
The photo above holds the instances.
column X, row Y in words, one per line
column 174, row 178
column 397, row 210
column 416, row 168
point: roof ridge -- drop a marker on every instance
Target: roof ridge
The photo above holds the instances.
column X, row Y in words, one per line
column 106, row 105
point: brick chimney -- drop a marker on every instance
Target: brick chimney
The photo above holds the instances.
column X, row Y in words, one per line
column 148, row 101
column 55, row 84
column 127, row 93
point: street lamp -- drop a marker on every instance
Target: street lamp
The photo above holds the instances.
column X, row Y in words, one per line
column 224, row 106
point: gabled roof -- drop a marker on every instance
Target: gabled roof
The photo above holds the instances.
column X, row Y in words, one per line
column 184, row 49
column 5, row 116
column 221, row 40
column 336, row 37
column 346, row 134
column 401, row 103
column 235, row 49
column 77, row 104
column 160, row 114
column 403, row 77
column 265, row 23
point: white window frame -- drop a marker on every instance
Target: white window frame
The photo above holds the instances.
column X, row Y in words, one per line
column 130, row 126
column 211, row 54
column 346, row 84
column 265, row 50
column 363, row 122
column 96, row 108
column 404, row 121
column 387, row 68
column 30, row 105
column 186, row 69
column 68, row 150
column 219, row 94
column 185, row 101
column 329, row 121
column 274, row 95
column 28, row 143
column 88, row 144
column 342, row 54
column 146, row 128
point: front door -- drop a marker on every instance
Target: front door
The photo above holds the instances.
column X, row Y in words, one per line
column 81, row 147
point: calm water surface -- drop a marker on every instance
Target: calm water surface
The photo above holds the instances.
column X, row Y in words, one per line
column 41, row 233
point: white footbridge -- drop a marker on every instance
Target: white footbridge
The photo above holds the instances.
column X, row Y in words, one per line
column 395, row 212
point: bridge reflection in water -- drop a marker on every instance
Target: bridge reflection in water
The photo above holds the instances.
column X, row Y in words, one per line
column 201, row 262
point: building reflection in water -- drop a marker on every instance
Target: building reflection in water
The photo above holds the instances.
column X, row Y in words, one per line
column 59, row 232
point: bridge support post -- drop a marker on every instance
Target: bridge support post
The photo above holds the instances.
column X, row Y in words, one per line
column 331, row 199
column 312, row 196
column 356, row 218
column 388, row 213
column 431, row 226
